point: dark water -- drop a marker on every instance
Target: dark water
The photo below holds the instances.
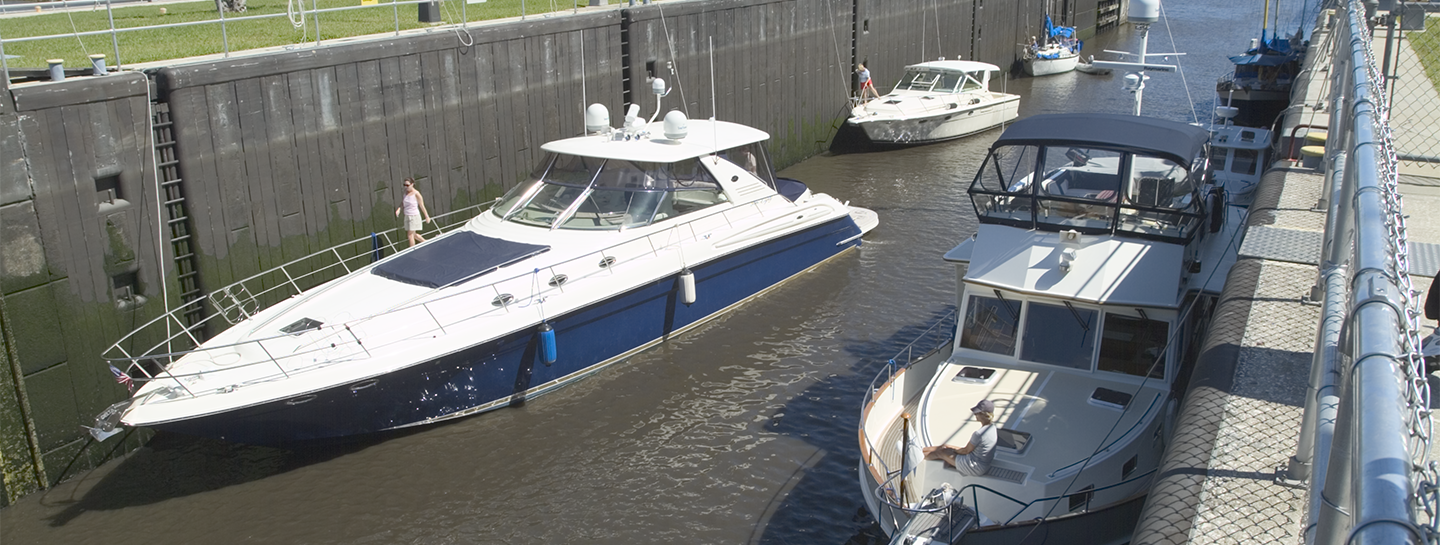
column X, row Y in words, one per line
column 740, row 431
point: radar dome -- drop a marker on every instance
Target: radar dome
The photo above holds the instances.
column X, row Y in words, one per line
column 597, row 118
column 677, row 126
column 1144, row 12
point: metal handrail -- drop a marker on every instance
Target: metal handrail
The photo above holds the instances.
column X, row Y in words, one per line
column 223, row 21
column 152, row 363
column 908, row 355
column 1375, row 480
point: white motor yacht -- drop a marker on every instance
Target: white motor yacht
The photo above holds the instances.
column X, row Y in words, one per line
column 619, row 239
column 1102, row 242
column 937, row 101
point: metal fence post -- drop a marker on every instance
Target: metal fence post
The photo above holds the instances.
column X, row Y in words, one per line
column 114, row 39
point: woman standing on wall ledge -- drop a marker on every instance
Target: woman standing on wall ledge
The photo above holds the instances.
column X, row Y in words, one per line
column 413, row 204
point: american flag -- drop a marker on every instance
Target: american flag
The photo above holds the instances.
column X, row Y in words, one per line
column 123, row 378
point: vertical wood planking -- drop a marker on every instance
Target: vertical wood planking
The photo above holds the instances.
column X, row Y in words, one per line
column 260, row 183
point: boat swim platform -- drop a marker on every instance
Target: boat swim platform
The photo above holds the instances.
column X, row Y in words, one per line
column 1240, row 424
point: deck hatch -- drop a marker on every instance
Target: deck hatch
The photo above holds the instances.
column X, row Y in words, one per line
column 1012, row 440
column 1111, row 399
column 300, row 326
column 454, row 259
column 977, row 375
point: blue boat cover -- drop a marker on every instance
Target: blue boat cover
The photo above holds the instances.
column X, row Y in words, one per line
column 1173, row 140
column 1058, row 31
column 455, row 258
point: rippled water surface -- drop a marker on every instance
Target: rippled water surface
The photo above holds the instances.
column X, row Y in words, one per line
column 742, row 430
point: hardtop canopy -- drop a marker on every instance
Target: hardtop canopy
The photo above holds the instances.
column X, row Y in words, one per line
column 1179, row 142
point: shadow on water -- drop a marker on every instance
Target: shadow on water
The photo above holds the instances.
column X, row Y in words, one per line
column 790, row 517
column 173, row 466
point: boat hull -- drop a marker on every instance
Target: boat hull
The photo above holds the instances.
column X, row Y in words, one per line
column 1045, row 67
column 945, row 125
column 499, row 372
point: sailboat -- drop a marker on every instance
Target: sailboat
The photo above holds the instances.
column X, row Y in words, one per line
column 1259, row 87
column 1058, row 52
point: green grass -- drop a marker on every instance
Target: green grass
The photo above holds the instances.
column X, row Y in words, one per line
column 1427, row 46
column 190, row 41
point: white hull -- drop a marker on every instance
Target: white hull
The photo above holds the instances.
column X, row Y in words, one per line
column 937, row 123
column 1045, row 67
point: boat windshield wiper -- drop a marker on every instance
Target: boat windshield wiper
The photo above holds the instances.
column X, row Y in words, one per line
column 1014, row 314
column 1084, row 324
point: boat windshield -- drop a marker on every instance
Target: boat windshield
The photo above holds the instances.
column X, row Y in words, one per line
column 588, row 193
column 1065, row 334
column 1092, row 190
column 934, row 81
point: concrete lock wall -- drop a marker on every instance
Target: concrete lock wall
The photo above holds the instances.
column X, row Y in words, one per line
column 282, row 154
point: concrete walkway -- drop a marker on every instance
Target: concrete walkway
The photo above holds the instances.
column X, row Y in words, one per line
column 1241, row 423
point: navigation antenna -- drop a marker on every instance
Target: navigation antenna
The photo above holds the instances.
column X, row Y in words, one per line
column 1142, row 14
column 714, row 115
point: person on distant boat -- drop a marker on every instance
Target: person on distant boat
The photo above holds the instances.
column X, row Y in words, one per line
column 975, row 457
column 413, row 204
column 867, row 85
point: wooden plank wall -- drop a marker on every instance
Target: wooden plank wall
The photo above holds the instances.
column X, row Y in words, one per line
column 306, row 150
column 59, row 249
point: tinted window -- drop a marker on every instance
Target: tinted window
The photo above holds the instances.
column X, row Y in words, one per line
column 990, row 325
column 1132, row 345
column 1059, row 335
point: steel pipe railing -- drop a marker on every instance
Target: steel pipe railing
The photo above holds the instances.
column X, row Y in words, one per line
column 1362, row 419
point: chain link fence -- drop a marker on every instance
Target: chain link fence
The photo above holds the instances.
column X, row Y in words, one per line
column 1411, row 62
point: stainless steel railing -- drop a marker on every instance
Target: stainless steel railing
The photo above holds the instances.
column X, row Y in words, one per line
column 1368, row 416
column 341, row 341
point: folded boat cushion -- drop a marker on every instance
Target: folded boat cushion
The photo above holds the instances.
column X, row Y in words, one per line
column 454, row 259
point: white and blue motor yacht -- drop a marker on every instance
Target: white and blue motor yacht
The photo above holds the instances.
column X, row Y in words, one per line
column 620, row 238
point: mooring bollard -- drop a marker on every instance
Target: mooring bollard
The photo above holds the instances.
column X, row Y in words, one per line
column 57, row 69
column 97, row 64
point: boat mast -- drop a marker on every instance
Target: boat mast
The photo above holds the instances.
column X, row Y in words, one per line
column 1142, row 14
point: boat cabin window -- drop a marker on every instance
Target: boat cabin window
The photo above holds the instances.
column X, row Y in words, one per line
column 1133, row 345
column 1001, row 191
column 973, row 81
column 921, row 80
column 1065, row 335
column 1243, row 161
column 1061, row 335
column 1092, row 190
column 990, row 325
column 587, row 193
column 753, row 159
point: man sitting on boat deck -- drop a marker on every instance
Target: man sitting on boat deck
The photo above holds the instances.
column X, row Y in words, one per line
column 975, row 457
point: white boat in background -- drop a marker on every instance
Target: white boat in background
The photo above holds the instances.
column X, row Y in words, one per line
column 620, row 239
column 937, row 101
column 1238, row 155
column 1087, row 67
column 1057, row 53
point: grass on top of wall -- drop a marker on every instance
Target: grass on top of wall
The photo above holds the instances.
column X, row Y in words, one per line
column 1426, row 45
column 241, row 29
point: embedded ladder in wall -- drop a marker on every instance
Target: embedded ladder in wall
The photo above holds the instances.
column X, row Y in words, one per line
column 187, row 275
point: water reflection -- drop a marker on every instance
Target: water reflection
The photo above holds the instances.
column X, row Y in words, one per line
column 740, row 431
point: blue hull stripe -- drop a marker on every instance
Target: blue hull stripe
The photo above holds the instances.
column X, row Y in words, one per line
column 499, row 372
